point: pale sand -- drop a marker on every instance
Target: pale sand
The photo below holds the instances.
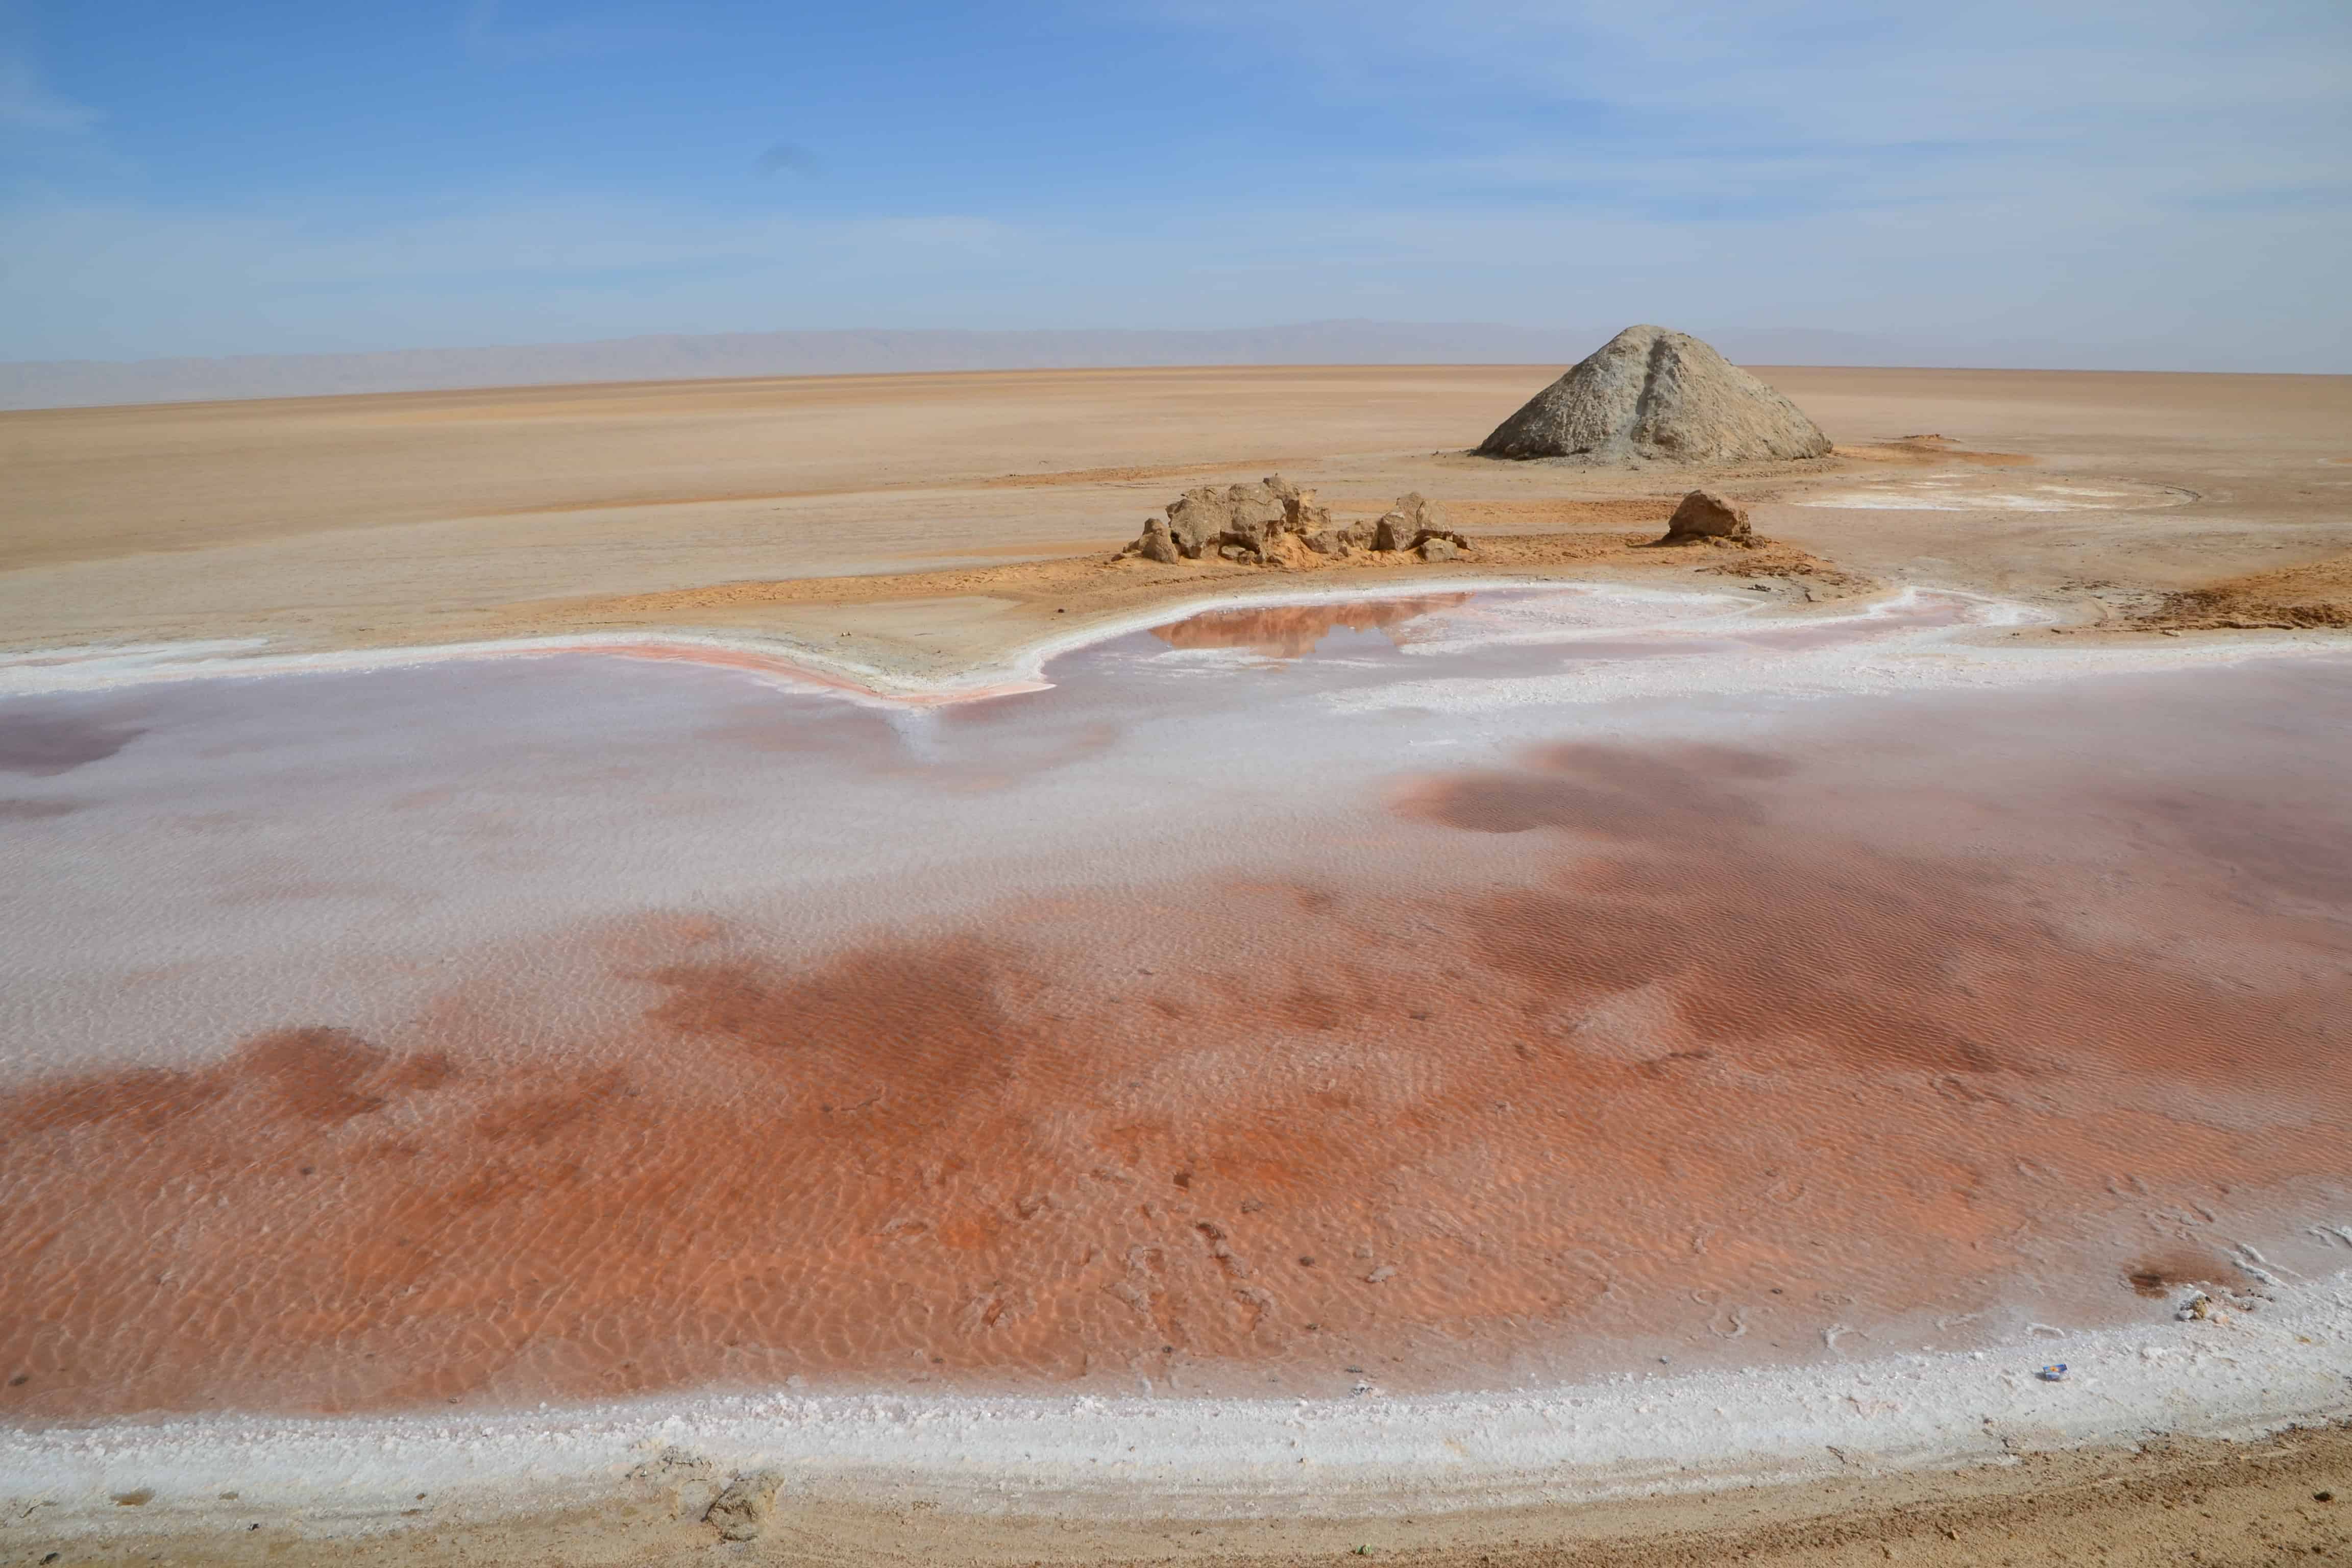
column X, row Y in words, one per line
column 413, row 521
column 419, row 519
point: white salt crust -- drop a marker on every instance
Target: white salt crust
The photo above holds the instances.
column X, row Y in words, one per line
column 1909, row 658
column 1925, row 659
column 786, row 660
column 2245, row 1373
column 1980, row 492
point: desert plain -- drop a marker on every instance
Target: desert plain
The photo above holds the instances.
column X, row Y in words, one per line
column 424, row 518
column 929, row 539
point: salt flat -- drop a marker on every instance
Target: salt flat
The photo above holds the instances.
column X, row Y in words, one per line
column 1576, row 945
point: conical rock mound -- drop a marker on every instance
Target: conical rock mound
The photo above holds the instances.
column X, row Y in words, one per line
column 1650, row 395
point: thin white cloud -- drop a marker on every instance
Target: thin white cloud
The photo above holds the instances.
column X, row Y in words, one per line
column 2096, row 85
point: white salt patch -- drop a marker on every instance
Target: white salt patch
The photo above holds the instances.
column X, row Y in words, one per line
column 1553, row 612
column 2241, row 1374
column 785, row 660
column 1977, row 493
column 1925, row 657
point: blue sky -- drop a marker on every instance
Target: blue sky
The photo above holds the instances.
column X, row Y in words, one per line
column 258, row 176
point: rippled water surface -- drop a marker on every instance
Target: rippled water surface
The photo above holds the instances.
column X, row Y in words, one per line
column 1290, row 998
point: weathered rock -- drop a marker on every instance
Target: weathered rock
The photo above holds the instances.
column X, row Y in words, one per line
column 1413, row 518
column 1706, row 515
column 1300, row 515
column 1235, row 553
column 1423, row 511
column 743, row 1510
column 1158, row 543
column 1196, row 520
column 1329, row 542
column 1255, row 514
column 1437, row 547
column 1252, row 536
column 1651, row 395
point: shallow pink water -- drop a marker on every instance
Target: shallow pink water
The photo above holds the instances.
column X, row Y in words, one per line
column 575, row 1028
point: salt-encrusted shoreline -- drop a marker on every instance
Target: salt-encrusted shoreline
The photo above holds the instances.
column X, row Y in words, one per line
column 796, row 663
column 2240, row 1374
column 785, row 659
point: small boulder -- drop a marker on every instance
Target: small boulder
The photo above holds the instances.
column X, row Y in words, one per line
column 1706, row 515
column 1158, row 543
column 1330, row 542
column 1413, row 518
column 1424, row 512
column 1253, row 537
column 1300, row 515
column 1438, row 547
column 1255, row 514
column 1197, row 519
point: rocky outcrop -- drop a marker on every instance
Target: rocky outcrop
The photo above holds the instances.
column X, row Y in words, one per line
column 1245, row 518
column 1274, row 523
column 1706, row 515
column 1651, row 395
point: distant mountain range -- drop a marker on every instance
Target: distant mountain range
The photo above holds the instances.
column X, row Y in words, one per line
column 59, row 384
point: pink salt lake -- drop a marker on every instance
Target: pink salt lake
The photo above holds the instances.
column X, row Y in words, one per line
column 1456, row 992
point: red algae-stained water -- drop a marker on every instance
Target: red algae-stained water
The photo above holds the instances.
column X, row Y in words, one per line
column 1462, row 993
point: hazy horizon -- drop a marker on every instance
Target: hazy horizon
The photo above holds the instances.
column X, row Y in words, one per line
column 653, row 357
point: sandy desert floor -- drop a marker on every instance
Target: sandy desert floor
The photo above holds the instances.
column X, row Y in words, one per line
column 450, row 516
column 916, row 533
column 2164, row 1504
